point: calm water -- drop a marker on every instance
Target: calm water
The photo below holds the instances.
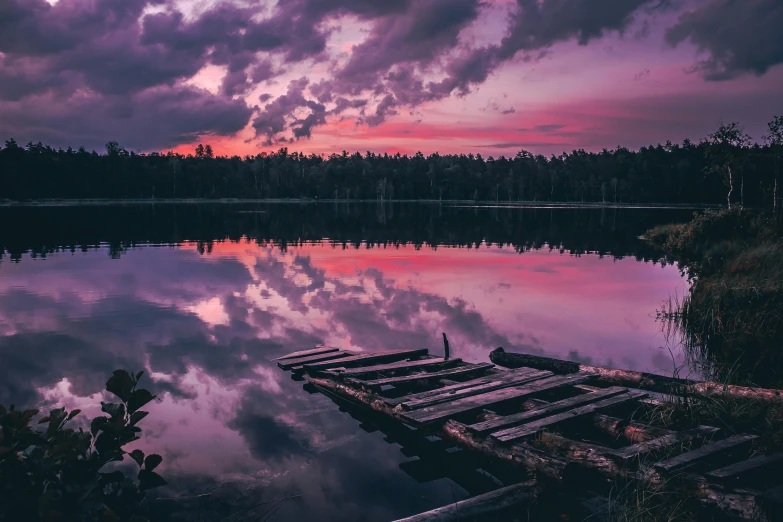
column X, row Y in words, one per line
column 203, row 297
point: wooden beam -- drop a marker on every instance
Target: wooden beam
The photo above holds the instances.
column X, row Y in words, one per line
column 640, row 380
column 366, row 358
column 666, row 441
column 395, row 366
column 704, row 452
column 741, row 469
column 481, row 506
column 523, row 456
column 305, row 353
column 501, row 381
column 511, row 374
column 547, row 409
column 287, row 364
column 441, row 412
column 531, row 428
column 422, row 378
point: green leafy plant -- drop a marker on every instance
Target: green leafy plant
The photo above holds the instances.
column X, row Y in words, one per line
column 58, row 473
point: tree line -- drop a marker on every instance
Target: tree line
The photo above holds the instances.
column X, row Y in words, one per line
column 723, row 167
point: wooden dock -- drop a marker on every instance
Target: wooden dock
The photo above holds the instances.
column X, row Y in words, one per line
column 547, row 426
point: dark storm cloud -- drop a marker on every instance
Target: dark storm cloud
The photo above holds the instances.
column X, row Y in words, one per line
column 89, row 71
column 280, row 114
column 535, row 26
column 738, row 37
column 150, row 119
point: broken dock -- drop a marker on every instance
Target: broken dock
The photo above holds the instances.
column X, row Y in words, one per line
column 549, row 424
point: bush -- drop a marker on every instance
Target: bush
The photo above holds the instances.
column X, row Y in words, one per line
column 58, row 473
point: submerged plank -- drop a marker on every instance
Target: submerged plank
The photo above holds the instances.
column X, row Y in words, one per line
column 287, row 364
column 305, row 353
column 531, row 428
column 511, row 374
column 501, row 381
column 705, row 452
column 442, row 412
column 366, row 358
column 481, row 506
column 741, row 469
column 397, row 366
column 420, row 378
column 547, row 409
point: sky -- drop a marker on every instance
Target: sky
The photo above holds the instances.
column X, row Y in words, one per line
column 448, row 76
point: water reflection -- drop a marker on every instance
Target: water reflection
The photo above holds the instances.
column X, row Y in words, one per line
column 206, row 327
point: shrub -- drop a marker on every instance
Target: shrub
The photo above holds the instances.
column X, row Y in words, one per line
column 59, row 473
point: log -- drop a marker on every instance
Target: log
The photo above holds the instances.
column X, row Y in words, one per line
column 631, row 431
column 739, row 503
column 667, row 441
column 640, row 380
column 492, row 503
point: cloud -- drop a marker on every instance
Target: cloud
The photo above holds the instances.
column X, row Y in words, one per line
column 78, row 72
column 737, row 37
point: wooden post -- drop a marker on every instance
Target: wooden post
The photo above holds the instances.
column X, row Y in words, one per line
column 639, row 380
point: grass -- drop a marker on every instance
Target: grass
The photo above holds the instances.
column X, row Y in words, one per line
column 732, row 318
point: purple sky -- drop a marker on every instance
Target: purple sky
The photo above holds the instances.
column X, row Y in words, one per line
column 386, row 75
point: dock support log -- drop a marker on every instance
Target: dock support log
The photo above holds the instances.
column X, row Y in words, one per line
column 491, row 503
column 640, row 380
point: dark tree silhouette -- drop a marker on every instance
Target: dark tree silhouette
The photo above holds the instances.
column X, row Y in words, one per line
column 671, row 173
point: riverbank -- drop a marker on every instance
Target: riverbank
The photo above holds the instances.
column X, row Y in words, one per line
column 732, row 317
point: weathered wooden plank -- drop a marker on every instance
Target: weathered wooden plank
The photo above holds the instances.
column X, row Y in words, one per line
column 678, row 437
column 441, row 412
column 741, row 469
column 547, row 409
column 305, row 353
column 395, row 366
column 481, row 506
column 531, row 428
column 503, row 381
column 421, row 378
column 641, row 380
column 498, row 377
column 287, row 364
column 366, row 358
column 704, row 452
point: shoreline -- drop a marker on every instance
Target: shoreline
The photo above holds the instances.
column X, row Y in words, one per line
column 282, row 201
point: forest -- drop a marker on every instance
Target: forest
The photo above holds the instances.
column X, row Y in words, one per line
column 724, row 167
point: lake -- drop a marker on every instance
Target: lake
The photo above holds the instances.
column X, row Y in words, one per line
column 203, row 297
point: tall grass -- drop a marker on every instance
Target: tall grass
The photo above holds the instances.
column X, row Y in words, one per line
column 732, row 318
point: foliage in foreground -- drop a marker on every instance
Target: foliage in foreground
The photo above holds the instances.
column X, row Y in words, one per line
column 732, row 317
column 59, row 473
